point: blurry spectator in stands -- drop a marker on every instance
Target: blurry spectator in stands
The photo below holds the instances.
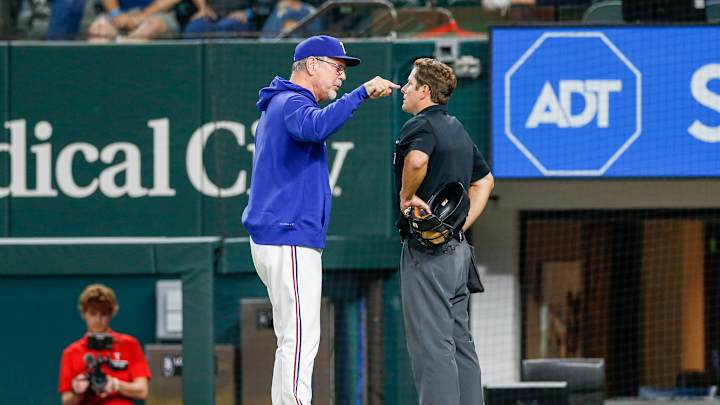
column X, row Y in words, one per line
column 230, row 18
column 220, row 18
column 496, row 4
column 65, row 16
column 286, row 15
column 135, row 20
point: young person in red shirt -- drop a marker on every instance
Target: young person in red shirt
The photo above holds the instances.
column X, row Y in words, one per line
column 120, row 359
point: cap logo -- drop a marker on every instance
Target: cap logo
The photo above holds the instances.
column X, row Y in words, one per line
column 343, row 47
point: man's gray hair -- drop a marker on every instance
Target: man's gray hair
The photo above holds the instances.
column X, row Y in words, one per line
column 299, row 65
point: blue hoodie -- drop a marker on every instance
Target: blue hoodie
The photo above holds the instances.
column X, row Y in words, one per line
column 290, row 196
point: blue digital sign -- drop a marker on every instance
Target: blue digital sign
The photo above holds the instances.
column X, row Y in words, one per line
column 627, row 102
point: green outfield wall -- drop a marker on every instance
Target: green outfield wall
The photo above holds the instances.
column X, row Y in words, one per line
column 156, row 139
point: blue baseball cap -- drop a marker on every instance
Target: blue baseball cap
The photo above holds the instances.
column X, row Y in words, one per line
column 324, row 45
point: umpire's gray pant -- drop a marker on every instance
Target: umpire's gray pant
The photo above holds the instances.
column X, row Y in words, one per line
column 435, row 306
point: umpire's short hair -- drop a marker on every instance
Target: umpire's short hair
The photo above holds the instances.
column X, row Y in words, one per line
column 98, row 296
column 436, row 75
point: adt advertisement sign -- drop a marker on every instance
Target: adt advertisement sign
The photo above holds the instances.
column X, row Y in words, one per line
column 622, row 102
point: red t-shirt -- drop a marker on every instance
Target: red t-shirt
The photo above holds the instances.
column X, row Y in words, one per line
column 124, row 348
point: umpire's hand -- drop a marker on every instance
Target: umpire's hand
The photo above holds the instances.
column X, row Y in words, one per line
column 379, row 87
column 413, row 202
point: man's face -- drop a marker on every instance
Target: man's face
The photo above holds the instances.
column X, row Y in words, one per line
column 97, row 319
column 411, row 94
column 329, row 78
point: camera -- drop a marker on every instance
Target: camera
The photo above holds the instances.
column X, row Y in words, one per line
column 99, row 341
column 97, row 377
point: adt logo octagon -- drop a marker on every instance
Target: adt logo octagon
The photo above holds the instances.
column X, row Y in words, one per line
column 573, row 103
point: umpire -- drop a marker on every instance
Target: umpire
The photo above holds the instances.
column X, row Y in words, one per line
column 434, row 149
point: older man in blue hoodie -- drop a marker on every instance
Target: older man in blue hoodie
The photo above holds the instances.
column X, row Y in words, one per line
column 289, row 207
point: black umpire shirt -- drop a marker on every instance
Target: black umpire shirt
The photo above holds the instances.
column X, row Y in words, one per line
column 453, row 155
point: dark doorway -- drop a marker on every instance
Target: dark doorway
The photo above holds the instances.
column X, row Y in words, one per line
column 712, row 299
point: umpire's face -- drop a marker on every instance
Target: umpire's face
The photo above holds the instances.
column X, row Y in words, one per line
column 413, row 94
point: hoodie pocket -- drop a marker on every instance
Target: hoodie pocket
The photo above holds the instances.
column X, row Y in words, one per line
column 323, row 214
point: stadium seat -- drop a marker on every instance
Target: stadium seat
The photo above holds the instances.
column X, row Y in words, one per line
column 585, row 377
column 604, row 11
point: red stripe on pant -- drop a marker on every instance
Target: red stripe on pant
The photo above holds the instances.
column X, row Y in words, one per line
column 298, row 332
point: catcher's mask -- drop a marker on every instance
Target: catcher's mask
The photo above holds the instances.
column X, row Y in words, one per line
column 449, row 208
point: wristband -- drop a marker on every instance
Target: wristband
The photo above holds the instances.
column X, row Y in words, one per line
column 114, row 12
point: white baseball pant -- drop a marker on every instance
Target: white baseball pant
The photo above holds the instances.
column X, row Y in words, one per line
column 293, row 277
